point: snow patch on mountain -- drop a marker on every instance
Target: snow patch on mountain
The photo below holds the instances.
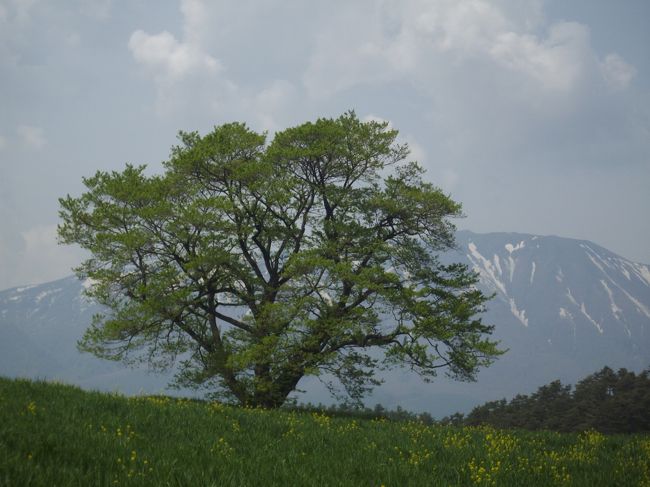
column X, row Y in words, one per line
column 596, row 263
column 499, row 274
column 570, row 296
column 512, row 248
column 643, row 272
column 497, row 264
column 532, row 273
column 597, row 256
column 641, row 308
column 48, row 292
column 566, row 314
column 485, row 268
column 24, row 288
column 511, row 266
column 88, row 283
column 616, row 311
column 583, row 310
column 625, row 272
column 519, row 314
column 325, row 297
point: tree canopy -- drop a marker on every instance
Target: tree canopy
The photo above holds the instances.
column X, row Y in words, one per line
column 259, row 263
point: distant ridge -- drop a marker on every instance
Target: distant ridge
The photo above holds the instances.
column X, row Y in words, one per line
column 563, row 307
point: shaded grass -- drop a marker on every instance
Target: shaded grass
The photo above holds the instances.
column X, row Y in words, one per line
column 57, row 435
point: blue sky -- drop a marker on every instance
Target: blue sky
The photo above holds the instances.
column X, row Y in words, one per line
column 534, row 114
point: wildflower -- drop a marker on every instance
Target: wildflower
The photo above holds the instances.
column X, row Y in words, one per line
column 222, row 447
column 31, row 407
column 321, row 419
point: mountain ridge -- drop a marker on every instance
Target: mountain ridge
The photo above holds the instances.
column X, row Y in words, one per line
column 563, row 307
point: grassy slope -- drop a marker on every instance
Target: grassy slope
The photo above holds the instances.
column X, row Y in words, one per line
column 56, row 435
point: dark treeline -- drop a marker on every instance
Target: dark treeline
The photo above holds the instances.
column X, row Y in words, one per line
column 607, row 401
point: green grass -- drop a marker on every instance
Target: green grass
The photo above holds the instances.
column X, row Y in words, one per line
column 57, row 435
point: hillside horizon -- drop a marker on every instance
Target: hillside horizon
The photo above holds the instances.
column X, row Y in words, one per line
column 563, row 307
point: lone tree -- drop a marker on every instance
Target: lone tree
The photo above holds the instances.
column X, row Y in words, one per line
column 260, row 264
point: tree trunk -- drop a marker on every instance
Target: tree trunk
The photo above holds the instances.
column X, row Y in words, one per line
column 270, row 393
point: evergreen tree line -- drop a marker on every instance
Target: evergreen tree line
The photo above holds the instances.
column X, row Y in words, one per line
column 607, row 401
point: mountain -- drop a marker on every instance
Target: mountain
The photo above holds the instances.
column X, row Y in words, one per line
column 563, row 308
column 39, row 329
column 569, row 298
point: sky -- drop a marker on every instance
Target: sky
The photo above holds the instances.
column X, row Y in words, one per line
column 534, row 114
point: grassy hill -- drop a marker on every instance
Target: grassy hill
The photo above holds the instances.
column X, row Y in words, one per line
column 58, row 435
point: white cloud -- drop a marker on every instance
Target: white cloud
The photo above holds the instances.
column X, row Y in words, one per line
column 419, row 41
column 374, row 118
column 39, row 237
column 418, row 152
column 555, row 63
column 21, row 9
column 99, row 9
column 194, row 83
column 32, row 136
column 176, row 59
column 33, row 256
column 456, row 26
column 42, row 259
column 449, row 179
column 486, row 80
column 351, row 49
column 268, row 105
column 169, row 58
column 616, row 72
column 184, row 72
column 3, row 142
column 73, row 39
column 195, row 18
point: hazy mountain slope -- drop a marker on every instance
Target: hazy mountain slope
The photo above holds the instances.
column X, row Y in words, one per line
column 564, row 308
column 39, row 329
column 566, row 296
